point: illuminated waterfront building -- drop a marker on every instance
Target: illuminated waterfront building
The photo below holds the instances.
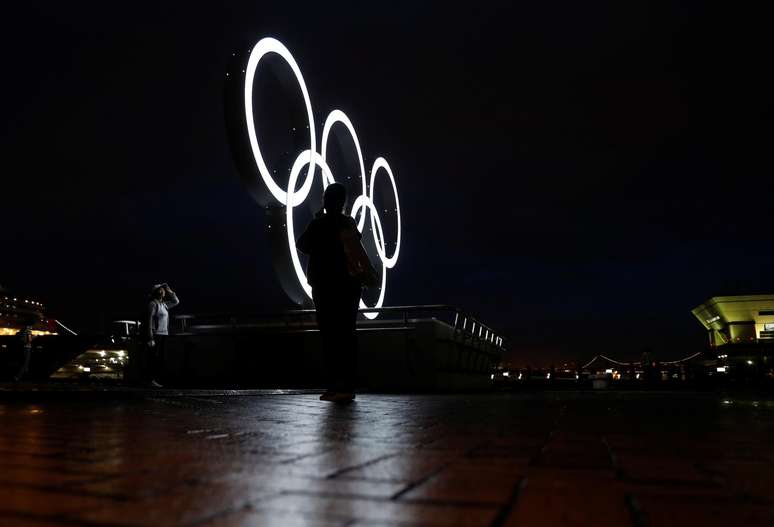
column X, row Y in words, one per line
column 16, row 311
column 56, row 349
column 737, row 319
column 741, row 333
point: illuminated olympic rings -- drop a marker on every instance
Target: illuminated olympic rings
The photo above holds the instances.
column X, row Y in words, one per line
column 310, row 158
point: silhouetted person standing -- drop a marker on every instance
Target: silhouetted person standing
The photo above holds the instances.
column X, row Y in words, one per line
column 336, row 290
column 25, row 336
column 162, row 300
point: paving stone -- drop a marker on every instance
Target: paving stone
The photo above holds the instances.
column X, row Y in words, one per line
column 468, row 484
column 753, row 478
column 185, row 505
column 278, row 480
column 570, row 498
column 289, row 459
column 131, row 485
column 35, row 476
column 667, row 510
column 575, row 453
column 58, row 465
column 384, row 511
column 22, row 500
column 407, row 467
column 662, row 470
column 341, row 487
column 460, row 443
column 21, row 521
column 253, row 518
column 511, row 450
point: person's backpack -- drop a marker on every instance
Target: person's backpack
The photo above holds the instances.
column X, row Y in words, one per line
column 358, row 264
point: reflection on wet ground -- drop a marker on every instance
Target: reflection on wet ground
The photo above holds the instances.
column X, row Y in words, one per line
column 289, row 459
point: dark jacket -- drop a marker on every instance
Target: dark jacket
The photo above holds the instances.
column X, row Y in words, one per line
column 327, row 268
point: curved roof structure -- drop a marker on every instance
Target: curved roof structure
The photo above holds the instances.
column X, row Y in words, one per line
column 742, row 318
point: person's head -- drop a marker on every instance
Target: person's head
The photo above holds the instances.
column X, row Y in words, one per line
column 335, row 198
column 158, row 292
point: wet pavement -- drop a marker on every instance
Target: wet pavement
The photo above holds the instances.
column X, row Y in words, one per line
column 270, row 458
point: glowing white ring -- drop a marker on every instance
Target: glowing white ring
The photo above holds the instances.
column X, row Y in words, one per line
column 337, row 116
column 292, row 198
column 381, row 245
column 262, row 48
column 304, row 158
column 363, row 202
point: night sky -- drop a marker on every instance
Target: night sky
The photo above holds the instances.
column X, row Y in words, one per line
column 580, row 174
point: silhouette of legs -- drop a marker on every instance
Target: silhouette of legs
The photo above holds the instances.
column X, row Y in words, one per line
column 25, row 364
column 336, row 311
column 157, row 359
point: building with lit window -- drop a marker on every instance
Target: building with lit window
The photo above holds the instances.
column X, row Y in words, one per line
column 737, row 319
column 17, row 311
column 741, row 332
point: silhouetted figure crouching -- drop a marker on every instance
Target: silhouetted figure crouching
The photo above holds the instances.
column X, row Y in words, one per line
column 337, row 270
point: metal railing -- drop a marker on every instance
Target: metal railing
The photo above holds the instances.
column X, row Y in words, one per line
column 465, row 325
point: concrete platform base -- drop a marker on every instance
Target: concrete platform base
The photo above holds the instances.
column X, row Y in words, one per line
column 408, row 355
